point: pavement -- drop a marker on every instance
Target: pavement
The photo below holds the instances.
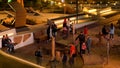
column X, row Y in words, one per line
column 97, row 58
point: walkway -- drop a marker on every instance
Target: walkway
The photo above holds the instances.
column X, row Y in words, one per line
column 97, row 59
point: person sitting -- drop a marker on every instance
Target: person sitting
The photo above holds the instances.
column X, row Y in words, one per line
column 10, row 47
column 4, row 41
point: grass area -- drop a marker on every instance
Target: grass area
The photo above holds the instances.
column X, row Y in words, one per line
column 11, row 63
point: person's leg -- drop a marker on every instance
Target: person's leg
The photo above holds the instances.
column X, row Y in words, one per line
column 80, row 48
column 38, row 60
column 112, row 36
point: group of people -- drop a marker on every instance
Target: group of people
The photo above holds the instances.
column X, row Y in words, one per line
column 108, row 33
column 85, row 42
column 6, row 42
column 67, row 27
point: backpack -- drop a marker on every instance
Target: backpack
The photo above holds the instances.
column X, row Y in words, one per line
column 84, row 46
column 38, row 53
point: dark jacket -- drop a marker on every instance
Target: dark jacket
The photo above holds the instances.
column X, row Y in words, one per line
column 81, row 37
column 38, row 53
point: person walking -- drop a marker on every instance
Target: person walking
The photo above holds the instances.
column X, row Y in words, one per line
column 112, row 30
column 39, row 56
column 81, row 38
column 72, row 55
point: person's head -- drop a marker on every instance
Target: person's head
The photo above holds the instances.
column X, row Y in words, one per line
column 68, row 19
column 111, row 24
column 4, row 36
column 53, row 22
column 85, row 26
column 71, row 44
column 81, row 32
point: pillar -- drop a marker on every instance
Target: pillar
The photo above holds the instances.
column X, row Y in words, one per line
column 21, row 2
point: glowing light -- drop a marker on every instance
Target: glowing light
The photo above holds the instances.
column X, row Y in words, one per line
column 105, row 10
column 9, row 1
column 59, row 23
column 92, row 10
column 62, row 1
column 59, row 3
column 10, row 34
column 64, row 4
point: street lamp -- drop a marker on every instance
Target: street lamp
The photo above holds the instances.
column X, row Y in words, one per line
column 64, row 5
column 76, row 11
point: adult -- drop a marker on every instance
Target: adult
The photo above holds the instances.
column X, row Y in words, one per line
column 85, row 30
column 88, row 43
column 8, row 39
column 64, row 60
column 112, row 29
column 65, row 23
column 11, row 47
column 10, row 44
column 104, row 31
column 72, row 55
column 4, row 41
column 38, row 55
column 65, row 29
column 49, row 33
column 81, row 38
column 54, row 29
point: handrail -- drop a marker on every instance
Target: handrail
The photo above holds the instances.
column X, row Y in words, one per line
column 20, row 60
column 11, row 7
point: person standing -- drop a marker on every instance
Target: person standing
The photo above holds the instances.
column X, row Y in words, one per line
column 64, row 60
column 49, row 32
column 54, row 29
column 65, row 29
column 38, row 56
column 112, row 29
column 85, row 30
column 104, row 32
column 88, row 43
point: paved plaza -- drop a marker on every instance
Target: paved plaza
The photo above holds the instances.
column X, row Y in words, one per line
column 97, row 58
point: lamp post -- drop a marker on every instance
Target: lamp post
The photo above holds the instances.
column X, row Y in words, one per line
column 21, row 2
column 76, row 11
column 64, row 8
column 64, row 5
